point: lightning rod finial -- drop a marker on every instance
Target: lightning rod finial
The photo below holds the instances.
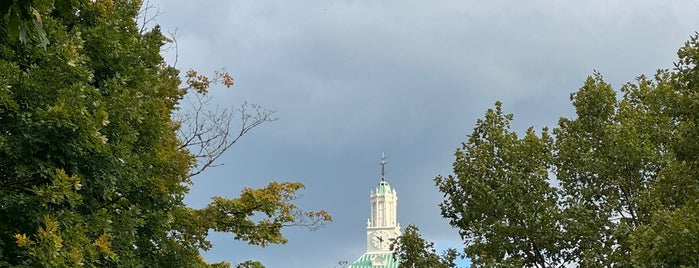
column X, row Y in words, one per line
column 383, row 166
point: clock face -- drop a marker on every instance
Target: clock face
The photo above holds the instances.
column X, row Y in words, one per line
column 381, row 239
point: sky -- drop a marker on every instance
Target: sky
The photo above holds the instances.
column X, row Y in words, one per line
column 353, row 79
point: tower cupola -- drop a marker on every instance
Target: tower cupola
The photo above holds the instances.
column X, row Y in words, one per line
column 382, row 227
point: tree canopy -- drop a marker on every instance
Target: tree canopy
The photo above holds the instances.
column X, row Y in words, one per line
column 415, row 251
column 92, row 171
column 616, row 185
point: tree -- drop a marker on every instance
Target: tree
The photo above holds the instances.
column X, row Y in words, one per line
column 414, row 251
column 500, row 197
column 606, row 159
column 208, row 133
column 92, row 171
column 626, row 184
column 669, row 236
column 250, row 264
column 342, row 264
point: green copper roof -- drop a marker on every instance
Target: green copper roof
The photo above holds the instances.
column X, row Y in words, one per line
column 384, row 188
column 383, row 260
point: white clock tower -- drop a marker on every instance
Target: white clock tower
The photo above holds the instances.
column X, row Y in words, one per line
column 382, row 226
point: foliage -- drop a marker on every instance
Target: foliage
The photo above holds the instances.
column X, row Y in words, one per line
column 500, row 197
column 342, row 264
column 617, row 185
column 250, row 264
column 414, row 251
column 92, row 172
column 22, row 20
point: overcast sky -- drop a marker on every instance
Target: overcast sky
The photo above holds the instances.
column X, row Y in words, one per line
column 352, row 79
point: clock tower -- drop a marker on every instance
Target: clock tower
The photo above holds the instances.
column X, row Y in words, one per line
column 382, row 226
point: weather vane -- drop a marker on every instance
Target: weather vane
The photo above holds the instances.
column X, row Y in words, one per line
column 383, row 166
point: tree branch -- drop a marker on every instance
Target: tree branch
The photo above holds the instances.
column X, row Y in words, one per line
column 208, row 133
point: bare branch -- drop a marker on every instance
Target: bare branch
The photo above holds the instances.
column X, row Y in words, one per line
column 145, row 18
column 208, row 132
column 173, row 45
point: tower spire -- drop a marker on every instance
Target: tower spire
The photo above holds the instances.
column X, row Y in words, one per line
column 383, row 166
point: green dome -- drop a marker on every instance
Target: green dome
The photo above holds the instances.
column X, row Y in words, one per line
column 376, row 260
column 384, row 188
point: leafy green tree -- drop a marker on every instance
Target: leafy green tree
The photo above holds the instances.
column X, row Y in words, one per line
column 250, row 264
column 415, row 251
column 626, row 184
column 669, row 237
column 92, row 172
column 606, row 160
column 500, row 198
column 342, row 264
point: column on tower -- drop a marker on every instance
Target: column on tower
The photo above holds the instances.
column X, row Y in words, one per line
column 382, row 211
column 390, row 213
column 374, row 212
